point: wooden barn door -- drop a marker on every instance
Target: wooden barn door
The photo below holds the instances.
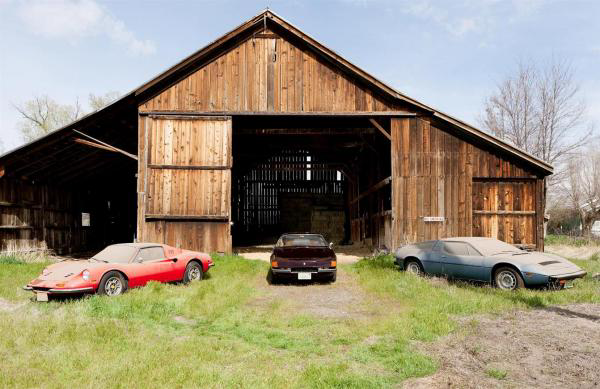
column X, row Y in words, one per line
column 188, row 181
column 505, row 210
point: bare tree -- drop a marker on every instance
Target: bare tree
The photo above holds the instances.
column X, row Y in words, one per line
column 581, row 187
column 540, row 111
column 42, row 115
column 100, row 101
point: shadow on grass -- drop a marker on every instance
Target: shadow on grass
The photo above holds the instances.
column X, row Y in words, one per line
column 572, row 314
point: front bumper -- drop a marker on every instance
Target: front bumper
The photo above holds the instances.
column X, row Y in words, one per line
column 59, row 290
column 568, row 276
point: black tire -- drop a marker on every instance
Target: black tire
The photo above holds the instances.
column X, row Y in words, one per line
column 112, row 284
column 414, row 266
column 333, row 277
column 193, row 272
column 272, row 278
column 507, row 278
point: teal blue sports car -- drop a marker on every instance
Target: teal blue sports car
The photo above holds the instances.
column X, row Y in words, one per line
column 488, row 260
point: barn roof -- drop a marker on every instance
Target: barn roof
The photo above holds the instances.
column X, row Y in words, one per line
column 269, row 19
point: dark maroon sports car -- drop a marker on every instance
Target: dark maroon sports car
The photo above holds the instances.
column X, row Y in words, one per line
column 303, row 257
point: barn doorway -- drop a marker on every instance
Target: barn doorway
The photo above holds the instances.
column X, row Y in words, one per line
column 306, row 173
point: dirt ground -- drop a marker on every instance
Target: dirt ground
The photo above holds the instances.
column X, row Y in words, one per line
column 344, row 254
column 583, row 252
column 545, row 348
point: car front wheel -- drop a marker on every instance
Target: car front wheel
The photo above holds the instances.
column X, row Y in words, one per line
column 508, row 278
column 112, row 284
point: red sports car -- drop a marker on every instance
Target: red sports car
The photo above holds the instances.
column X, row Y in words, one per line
column 119, row 267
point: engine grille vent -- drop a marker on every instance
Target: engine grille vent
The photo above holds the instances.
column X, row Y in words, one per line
column 546, row 263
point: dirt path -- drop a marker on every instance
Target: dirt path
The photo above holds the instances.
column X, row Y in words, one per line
column 341, row 299
column 583, row 252
column 545, row 348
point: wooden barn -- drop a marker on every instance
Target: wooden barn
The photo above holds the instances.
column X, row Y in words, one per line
column 266, row 130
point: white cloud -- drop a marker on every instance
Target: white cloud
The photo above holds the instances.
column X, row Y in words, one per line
column 471, row 16
column 424, row 9
column 77, row 19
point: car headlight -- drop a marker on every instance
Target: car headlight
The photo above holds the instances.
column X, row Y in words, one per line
column 85, row 275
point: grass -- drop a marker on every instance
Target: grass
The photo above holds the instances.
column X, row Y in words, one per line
column 567, row 240
column 227, row 331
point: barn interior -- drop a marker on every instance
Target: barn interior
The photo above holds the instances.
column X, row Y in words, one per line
column 320, row 173
column 72, row 191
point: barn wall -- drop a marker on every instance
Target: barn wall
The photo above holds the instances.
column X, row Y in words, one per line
column 267, row 74
column 434, row 173
column 39, row 217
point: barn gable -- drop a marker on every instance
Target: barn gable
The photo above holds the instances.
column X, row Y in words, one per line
column 269, row 73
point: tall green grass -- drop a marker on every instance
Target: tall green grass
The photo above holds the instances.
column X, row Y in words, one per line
column 567, row 240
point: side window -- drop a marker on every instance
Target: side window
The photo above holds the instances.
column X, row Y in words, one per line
column 456, row 248
column 150, row 254
column 474, row 252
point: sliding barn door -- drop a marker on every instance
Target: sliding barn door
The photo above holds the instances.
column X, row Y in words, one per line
column 505, row 210
column 188, row 182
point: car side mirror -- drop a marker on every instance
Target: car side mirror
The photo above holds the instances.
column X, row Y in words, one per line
column 174, row 260
column 331, row 245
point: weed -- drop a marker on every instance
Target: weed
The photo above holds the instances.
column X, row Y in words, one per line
column 496, row 373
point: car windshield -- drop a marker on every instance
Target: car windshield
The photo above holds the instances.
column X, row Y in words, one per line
column 495, row 247
column 117, row 253
column 301, row 240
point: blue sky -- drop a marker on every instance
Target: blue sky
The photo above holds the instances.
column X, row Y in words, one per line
column 448, row 54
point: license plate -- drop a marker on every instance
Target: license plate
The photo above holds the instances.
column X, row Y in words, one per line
column 568, row 284
column 304, row 276
column 41, row 296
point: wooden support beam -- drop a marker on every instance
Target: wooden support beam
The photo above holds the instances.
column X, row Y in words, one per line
column 187, row 217
column 116, row 149
column 381, row 129
column 93, row 144
column 502, row 212
column 374, row 188
column 189, row 167
column 16, row 228
column 368, row 114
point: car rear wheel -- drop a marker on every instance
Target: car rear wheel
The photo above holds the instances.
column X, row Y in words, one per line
column 112, row 284
column 414, row 267
column 193, row 272
column 508, row 278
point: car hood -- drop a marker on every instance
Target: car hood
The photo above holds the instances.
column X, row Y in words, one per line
column 66, row 269
column 303, row 252
column 544, row 263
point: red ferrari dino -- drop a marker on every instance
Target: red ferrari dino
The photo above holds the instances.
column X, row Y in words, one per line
column 119, row 267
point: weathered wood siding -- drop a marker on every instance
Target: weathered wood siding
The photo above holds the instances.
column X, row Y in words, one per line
column 267, row 74
column 185, row 182
column 505, row 209
column 38, row 217
column 435, row 173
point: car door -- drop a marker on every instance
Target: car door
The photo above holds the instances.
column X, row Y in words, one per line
column 461, row 260
column 150, row 264
column 431, row 258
